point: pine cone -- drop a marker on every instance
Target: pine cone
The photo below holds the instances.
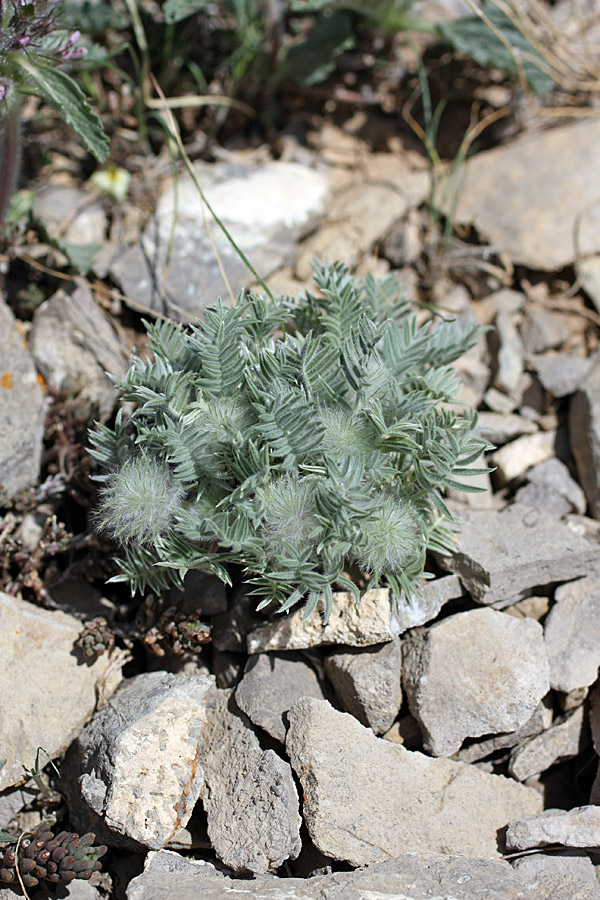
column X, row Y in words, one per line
column 52, row 858
column 96, row 638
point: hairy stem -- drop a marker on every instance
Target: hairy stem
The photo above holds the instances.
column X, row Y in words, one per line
column 10, row 155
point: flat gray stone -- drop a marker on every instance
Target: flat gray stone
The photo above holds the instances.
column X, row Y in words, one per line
column 70, row 214
column 578, row 827
column 561, row 375
column 264, row 210
column 21, row 409
column 135, row 772
column 584, row 433
column 574, row 863
column 372, row 621
column 455, row 694
column 272, row 683
column 413, row 611
column 366, row 799
column 525, row 197
column 562, row 741
column 551, row 487
column 543, row 330
column 501, row 556
column 39, row 670
column 367, row 683
column 250, row 799
column 74, row 346
column 572, row 633
column 410, row 876
column 499, row 428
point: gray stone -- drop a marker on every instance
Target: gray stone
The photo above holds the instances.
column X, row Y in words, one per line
column 410, row 876
column 21, row 409
column 552, row 488
column 499, row 402
column 514, row 459
column 499, row 428
column 70, row 214
column 250, row 799
column 561, row 375
column 367, row 683
column 46, row 695
column 366, row 798
column 454, row 693
column 260, row 206
column 135, row 772
column 372, row 621
column 543, row 330
column 510, row 354
column 588, row 271
column 584, row 434
column 201, row 591
column 572, row 631
column 505, row 300
column 575, row 863
column 562, row 741
column 501, row 556
column 481, row 749
column 81, row 890
column 512, row 195
column 578, row 827
column 13, row 801
column 417, row 610
column 74, row 346
column 272, row 683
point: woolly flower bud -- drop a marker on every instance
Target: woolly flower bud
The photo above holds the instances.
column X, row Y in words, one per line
column 290, row 514
column 389, row 538
column 139, row 501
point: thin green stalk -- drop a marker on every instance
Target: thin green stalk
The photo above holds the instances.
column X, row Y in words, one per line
column 10, row 154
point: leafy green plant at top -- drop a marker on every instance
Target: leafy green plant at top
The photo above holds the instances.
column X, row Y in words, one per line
column 292, row 438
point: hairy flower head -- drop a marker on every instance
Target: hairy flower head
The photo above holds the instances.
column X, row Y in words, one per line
column 290, row 514
column 389, row 538
column 139, row 501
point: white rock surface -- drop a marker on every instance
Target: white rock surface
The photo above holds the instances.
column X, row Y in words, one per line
column 367, row 799
column 372, row 621
column 417, row 610
column 474, row 673
column 135, row 772
column 46, row 694
column 572, row 632
column 514, row 459
column 579, row 827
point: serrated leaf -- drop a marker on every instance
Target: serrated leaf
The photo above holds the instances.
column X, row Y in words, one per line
column 66, row 96
column 176, row 10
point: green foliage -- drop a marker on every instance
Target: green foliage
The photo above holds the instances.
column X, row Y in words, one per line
column 290, row 437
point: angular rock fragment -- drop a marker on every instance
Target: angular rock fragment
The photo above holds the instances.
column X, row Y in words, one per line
column 513, row 460
column 481, row 749
column 474, row 673
column 543, row 330
column 499, row 428
column 410, row 876
column 551, row 487
column 501, row 556
column 372, row 621
column 579, row 827
column 272, row 683
column 572, row 634
column 573, row 863
column 584, row 433
column 510, row 354
column 367, row 682
column 563, row 740
column 366, row 799
column 21, row 409
column 561, row 375
column 135, row 772
column 46, row 696
column 420, row 609
column 250, row 799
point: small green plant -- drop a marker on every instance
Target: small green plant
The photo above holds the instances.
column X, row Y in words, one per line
column 295, row 439
column 43, row 856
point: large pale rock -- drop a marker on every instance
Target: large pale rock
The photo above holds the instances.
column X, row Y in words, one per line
column 572, row 631
column 563, row 740
column 552, row 488
column 513, row 460
column 410, row 876
column 367, row 682
column 135, row 772
column 46, row 694
column 372, row 621
column 70, row 214
column 526, row 197
column 272, row 683
column 474, row 673
column 584, row 434
column 264, row 207
column 21, row 409
column 366, row 799
column 250, row 799
column 501, row 556
column 74, row 346
column 579, row 827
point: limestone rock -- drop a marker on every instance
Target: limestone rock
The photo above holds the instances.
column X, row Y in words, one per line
column 499, row 428
column 366, row 799
column 563, row 740
column 74, row 346
column 579, row 827
column 367, row 682
column 272, row 683
column 474, row 673
column 513, row 460
column 584, row 434
column 501, row 556
column 418, row 610
column 561, row 374
column 572, row 631
column 21, row 409
column 135, row 772
column 479, row 750
column 372, row 621
column 575, row 863
column 46, row 695
column 511, row 195
column 551, row 487
column 250, row 799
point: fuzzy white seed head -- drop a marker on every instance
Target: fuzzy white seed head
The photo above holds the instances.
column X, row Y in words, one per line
column 290, row 514
column 139, row 501
column 389, row 538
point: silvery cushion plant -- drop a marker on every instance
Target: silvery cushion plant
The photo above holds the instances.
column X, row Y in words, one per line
column 301, row 440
